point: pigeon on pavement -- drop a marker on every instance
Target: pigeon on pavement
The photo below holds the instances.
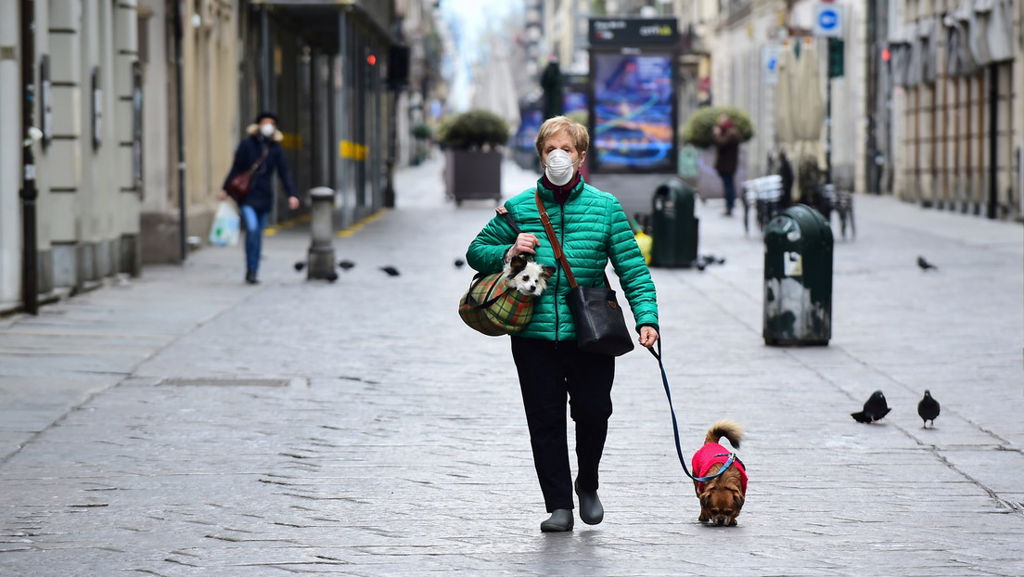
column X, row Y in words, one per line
column 299, row 265
column 392, row 271
column 925, row 265
column 874, row 409
column 346, row 265
column 459, row 262
column 928, row 409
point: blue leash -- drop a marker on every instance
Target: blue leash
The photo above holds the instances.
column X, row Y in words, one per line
column 675, row 425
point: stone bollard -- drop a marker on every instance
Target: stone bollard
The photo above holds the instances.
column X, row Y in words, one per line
column 320, row 261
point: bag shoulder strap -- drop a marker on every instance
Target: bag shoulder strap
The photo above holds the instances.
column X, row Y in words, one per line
column 509, row 219
column 263, row 156
column 559, row 253
column 557, row 246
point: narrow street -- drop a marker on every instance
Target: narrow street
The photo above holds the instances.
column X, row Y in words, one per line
column 184, row 423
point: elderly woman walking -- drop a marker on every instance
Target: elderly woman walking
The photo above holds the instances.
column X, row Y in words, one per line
column 593, row 230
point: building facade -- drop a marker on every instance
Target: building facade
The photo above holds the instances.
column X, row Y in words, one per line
column 139, row 105
column 953, row 72
column 87, row 165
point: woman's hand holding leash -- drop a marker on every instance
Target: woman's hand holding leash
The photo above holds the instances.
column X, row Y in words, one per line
column 648, row 336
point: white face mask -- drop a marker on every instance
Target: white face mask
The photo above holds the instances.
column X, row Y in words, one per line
column 267, row 129
column 559, row 167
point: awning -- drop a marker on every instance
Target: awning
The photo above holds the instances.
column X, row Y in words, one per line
column 318, row 22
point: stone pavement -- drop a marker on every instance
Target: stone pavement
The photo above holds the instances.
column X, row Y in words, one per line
column 186, row 424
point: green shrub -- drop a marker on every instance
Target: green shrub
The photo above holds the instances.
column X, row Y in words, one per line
column 474, row 129
column 422, row 131
column 699, row 127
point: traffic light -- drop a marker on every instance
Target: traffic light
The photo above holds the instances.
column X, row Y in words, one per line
column 835, row 57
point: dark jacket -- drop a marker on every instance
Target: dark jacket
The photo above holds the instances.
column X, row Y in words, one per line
column 728, row 142
column 593, row 230
column 261, row 189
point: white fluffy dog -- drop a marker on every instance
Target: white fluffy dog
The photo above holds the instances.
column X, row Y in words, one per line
column 526, row 276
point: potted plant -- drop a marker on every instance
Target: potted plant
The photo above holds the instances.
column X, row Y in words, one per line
column 421, row 133
column 472, row 143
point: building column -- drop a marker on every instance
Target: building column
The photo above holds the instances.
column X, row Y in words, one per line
column 127, row 255
column 10, row 158
column 63, row 158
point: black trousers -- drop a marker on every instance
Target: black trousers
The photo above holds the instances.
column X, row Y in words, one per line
column 549, row 374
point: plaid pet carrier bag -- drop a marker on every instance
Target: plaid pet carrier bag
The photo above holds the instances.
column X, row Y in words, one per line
column 493, row 308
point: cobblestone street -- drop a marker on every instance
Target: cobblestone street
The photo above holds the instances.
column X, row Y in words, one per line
column 185, row 424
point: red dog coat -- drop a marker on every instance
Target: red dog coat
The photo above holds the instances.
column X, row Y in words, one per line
column 710, row 454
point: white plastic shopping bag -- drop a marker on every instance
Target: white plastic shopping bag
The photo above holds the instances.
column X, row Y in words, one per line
column 226, row 222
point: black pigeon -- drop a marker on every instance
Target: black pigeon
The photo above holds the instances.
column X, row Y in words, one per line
column 459, row 262
column 300, row 265
column 928, row 408
column 392, row 271
column 925, row 265
column 874, row 409
column 346, row 265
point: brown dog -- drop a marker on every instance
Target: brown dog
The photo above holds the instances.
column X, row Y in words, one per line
column 721, row 498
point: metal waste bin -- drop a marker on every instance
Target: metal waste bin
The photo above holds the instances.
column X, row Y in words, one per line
column 674, row 225
column 798, row 278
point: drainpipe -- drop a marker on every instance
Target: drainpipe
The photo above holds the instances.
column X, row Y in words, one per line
column 30, row 254
column 179, row 94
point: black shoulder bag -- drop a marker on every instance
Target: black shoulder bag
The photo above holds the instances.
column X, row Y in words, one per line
column 600, row 326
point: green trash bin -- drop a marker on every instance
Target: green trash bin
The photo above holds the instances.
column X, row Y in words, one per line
column 798, row 278
column 673, row 225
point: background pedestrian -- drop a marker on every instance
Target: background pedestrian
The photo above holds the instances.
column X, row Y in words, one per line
column 727, row 143
column 263, row 140
column 593, row 230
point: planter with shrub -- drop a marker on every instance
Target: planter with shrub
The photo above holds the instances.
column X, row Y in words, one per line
column 472, row 143
column 700, row 126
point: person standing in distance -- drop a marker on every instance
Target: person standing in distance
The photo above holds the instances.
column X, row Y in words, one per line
column 263, row 140
column 593, row 231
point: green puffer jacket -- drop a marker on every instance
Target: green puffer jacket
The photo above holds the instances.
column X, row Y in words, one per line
column 593, row 229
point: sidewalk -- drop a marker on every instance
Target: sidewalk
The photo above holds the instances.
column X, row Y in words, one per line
column 187, row 424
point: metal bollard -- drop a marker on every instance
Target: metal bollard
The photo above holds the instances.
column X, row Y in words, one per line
column 320, row 259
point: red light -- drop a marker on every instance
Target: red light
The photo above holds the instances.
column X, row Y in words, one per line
column 371, row 60
column 886, row 55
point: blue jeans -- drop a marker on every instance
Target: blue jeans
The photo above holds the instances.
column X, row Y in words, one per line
column 730, row 191
column 254, row 223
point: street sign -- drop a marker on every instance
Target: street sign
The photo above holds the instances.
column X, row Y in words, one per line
column 828, row 20
column 770, row 63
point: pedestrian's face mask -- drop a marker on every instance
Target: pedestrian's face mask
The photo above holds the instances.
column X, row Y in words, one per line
column 559, row 167
column 267, row 129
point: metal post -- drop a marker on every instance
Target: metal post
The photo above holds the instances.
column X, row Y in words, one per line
column 993, row 140
column 30, row 254
column 389, row 165
column 265, row 66
column 179, row 95
column 320, row 257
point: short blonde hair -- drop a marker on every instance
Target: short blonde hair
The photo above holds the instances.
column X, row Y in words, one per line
column 552, row 126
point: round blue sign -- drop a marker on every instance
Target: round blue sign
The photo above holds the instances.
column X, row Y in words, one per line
column 828, row 19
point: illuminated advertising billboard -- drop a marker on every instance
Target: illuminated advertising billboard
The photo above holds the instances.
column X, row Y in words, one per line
column 574, row 94
column 632, row 101
column 633, row 114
